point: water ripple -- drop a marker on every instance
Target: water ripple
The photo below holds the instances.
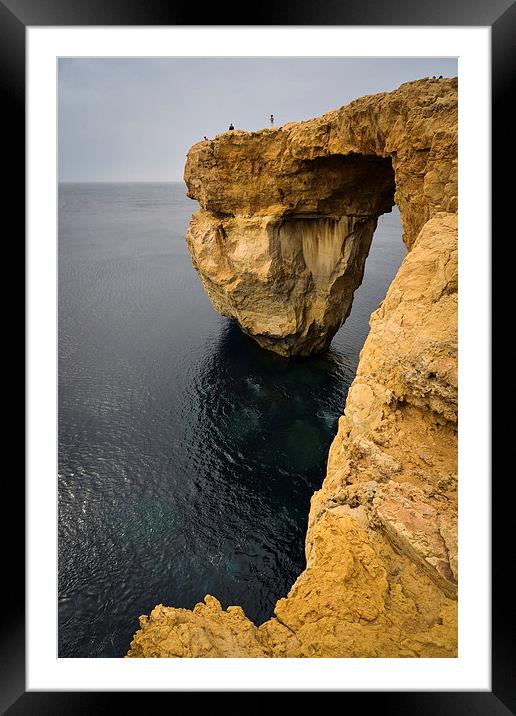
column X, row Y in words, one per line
column 187, row 455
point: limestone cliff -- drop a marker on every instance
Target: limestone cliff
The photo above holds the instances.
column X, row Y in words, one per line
column 280, row 243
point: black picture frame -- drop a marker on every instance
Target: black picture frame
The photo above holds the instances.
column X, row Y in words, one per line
column 15, row 17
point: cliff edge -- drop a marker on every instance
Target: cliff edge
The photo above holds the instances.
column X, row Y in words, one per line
column 280, row 244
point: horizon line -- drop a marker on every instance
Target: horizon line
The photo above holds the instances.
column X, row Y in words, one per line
column 119, row 181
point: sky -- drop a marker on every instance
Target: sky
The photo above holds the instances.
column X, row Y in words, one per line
column 125, row 120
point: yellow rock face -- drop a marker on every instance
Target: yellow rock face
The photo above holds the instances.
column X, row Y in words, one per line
column 381, row 546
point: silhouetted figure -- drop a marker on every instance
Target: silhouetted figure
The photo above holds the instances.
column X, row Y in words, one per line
column 205, row 139
column 434, row 77
column 231, row 128
column 440, row 77
column 272, row 120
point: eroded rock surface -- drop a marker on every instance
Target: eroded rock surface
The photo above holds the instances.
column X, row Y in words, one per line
column 287, row 215
column 381, row 547
column 206, row 631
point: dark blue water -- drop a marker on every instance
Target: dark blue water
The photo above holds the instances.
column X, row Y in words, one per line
column 187, row 454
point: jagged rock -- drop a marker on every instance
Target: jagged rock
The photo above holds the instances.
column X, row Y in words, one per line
column 206, row 631
column 381, row 544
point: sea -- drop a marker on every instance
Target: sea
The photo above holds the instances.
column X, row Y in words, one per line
column 187, row 454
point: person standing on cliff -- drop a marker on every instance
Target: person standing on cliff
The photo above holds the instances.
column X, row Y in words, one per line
column 272, row 121
column 231, row 128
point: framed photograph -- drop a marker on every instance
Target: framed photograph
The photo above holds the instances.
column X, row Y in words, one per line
column 252, row 252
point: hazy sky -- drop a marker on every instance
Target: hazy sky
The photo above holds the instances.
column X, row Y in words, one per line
column 134, row 119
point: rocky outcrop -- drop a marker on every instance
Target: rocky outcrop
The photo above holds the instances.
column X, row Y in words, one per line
column 287, row 215
column 381, row 547
column 206, row 631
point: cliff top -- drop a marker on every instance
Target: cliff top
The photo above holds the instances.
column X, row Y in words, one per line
column 280, row 171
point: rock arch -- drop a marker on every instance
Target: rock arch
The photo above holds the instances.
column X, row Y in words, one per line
column 287, row 215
